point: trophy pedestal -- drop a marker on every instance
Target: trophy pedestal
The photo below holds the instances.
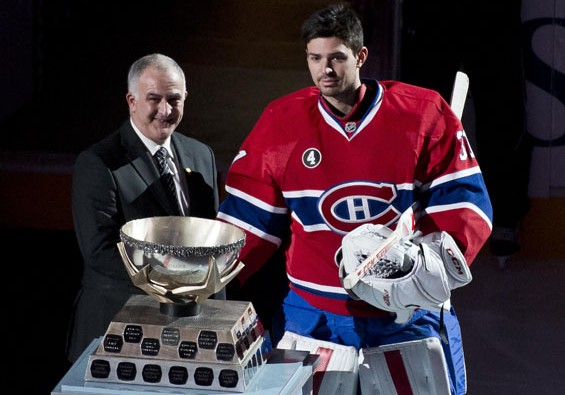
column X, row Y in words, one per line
column 283, row 374
column 220, row 348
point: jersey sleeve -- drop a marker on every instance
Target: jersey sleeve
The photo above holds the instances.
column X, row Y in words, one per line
column 453, row 192
column 254, row 201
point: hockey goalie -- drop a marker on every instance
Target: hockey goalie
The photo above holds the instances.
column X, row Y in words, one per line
column 402, row 271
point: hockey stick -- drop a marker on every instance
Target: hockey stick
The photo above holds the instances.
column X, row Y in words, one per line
column 404, row 227
column 407, row 221
column 459, row 93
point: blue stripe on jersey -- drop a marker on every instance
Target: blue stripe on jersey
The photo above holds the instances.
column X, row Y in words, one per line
column 467, row 190
column 325, row 294
column 274, row 224
column 305, row 208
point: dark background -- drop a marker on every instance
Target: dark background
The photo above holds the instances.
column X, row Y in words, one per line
column 65, row 62
column 62, row 87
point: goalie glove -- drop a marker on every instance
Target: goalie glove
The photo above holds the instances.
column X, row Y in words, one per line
column 358, row 244
column 454, row 262
column 411, row 275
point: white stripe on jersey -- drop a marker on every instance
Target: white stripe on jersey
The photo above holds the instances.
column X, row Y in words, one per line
column 317, row 287
column 249, row 228
column 455, row 206
column 451, row 177
column 256, row 202
column 303, row 193
column 311, row 228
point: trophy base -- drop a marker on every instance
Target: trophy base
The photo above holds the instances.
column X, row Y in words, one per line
column 221, row 347
column 283, row 374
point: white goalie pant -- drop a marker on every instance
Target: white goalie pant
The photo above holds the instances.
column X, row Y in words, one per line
column 415, row 367
column 336, row 372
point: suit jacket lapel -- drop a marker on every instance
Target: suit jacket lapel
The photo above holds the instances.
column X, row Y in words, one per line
column 202, row 197
column 141, row 173
column 184, row 155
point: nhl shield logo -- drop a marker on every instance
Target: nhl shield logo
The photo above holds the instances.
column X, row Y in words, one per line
column 350, row 127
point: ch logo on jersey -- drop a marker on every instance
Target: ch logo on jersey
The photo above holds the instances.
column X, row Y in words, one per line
column 346, row 206
column 311, row 158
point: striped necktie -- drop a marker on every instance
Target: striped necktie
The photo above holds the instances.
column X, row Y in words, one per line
column 167, row 177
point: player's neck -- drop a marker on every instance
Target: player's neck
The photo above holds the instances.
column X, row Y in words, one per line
column 343, row 104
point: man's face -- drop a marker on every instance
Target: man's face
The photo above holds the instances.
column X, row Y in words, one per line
column 333, row 66
column 158, row 106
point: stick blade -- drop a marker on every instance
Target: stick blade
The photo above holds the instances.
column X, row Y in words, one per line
column 459, row 93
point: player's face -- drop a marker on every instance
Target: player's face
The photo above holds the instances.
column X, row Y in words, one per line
column 333, row 66
column 158, row 106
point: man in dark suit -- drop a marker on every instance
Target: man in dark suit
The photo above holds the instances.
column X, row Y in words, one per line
column 117, row 180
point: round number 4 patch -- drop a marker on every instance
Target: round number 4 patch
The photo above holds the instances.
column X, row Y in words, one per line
column 311, row 158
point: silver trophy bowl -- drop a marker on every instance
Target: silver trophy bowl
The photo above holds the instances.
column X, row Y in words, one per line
column 180, row 261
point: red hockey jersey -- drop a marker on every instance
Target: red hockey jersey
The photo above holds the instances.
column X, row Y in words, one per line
column 304, row 168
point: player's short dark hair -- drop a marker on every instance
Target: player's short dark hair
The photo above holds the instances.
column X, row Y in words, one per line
column 337, row 20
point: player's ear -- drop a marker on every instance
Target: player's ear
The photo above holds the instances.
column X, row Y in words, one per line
column 362, row 56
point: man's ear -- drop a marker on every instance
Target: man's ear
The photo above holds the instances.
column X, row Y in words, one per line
column 130, row 98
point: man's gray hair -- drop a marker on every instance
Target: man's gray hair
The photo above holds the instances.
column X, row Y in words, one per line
column 157, row 61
